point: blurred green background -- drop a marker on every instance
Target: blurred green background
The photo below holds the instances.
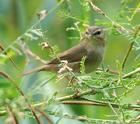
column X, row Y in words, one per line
column 16, row 16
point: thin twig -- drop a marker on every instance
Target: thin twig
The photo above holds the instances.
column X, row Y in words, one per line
column 35, row 25
column 102, row 103
column 137, row 70
column 127, row 54
column 79, row 94
column 12, row 114
column 131, row 46
column 22, row 94
column 108, row 70
column 46, row 116
column 119, row 27
column 82, row 118
column 10, row 58
column 29, row 53
column 129, row 74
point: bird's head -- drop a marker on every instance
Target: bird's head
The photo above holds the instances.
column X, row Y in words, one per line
column 96, row 34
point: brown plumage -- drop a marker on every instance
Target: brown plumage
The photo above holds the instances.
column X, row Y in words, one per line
column 91, row 46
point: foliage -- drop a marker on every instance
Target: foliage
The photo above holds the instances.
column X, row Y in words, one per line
column 108, row 95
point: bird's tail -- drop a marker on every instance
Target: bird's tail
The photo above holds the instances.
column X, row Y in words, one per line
column 41, row 68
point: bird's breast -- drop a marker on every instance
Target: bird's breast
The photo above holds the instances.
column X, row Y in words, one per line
column 94, row 57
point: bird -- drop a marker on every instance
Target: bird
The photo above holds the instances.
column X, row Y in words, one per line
column 91, row 46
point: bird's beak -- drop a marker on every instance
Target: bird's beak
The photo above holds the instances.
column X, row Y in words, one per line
column 87, row 34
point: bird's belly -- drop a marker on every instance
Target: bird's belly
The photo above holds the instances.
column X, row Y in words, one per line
column 90, row 67
column 93, row 61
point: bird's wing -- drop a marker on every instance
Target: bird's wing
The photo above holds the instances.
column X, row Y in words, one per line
column 73, row 54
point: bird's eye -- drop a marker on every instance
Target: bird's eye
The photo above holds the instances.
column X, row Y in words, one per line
column 97, row 33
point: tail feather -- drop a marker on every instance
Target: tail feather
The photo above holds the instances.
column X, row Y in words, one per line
column 50, row 67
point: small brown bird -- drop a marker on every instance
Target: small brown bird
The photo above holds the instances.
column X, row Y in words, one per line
column 91, row 46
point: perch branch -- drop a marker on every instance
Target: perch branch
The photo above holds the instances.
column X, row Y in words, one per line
column 102, row 103
column 79, row 94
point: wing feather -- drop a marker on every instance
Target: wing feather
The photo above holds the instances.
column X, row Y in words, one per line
column 73, row 54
